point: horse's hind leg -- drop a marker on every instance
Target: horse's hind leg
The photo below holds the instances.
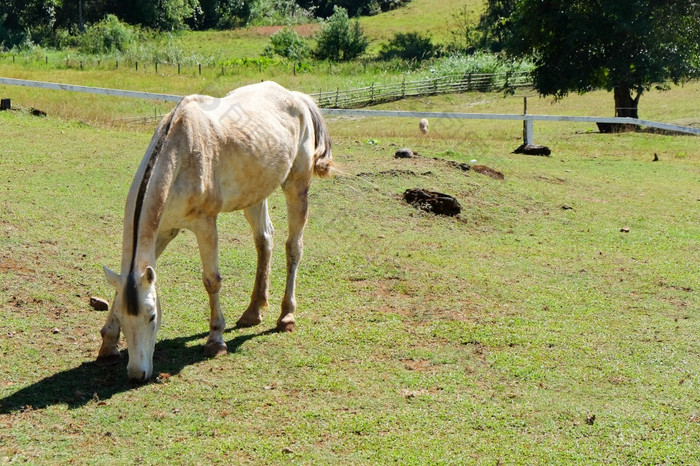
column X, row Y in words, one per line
column 208, row 242
column 295, row 191
column 261, row 225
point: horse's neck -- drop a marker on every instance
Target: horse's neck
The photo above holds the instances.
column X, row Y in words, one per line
column 140, row 248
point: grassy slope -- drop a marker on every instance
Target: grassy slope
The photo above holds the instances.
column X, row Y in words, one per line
column 429, row 17
column 420, row 339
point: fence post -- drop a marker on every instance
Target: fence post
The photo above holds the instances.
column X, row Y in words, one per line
column 528, row 125
column 371, row 99
column 156, row 66
column 337, row 90
column 403, row 87
column 116, row 64
column 200, row 69
column 137, row 66
column 47, row 59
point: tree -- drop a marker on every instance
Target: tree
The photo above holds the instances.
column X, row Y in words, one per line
column 325, row 8
column 338, row 40
column 288, row 44
column 494, row 24
column 624, row 46
column 26, row 21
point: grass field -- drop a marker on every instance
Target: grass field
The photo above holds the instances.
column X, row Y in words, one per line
column 522, row 332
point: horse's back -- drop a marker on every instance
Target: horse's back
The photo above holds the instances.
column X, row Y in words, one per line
column 238, row 149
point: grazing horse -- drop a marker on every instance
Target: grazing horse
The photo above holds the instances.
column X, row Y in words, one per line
column 207, row 156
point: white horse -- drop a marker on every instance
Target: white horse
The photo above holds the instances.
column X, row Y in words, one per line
column 208, row 156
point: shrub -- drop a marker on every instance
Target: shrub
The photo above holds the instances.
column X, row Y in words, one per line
column 278, row 12
column 287, row 44
column 408, row 46
column 338, row 40
column 479, row 62
column 108, row 35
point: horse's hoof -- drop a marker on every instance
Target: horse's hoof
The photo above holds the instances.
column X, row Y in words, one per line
column 109, row 360
column 214, row 349
column 285, row 326
column 246, row 321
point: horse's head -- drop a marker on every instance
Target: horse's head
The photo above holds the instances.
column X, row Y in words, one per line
column 137, row 310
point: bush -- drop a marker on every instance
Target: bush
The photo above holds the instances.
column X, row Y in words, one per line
column 408, row 46
column 108, row 35
column 278, row 12
column 338, row 40
column 478, row 63
column 287, row 44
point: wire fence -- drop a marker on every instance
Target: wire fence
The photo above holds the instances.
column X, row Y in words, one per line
column 447, row 84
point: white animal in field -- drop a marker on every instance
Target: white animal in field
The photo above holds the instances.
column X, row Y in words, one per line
column 208, row 156
column 423, row 126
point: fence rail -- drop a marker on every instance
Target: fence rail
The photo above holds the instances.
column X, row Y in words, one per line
column 449, row 84
column 526, row 118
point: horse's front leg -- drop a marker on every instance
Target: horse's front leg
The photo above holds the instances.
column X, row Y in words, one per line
column 263, row 232
column 109, row 351
column 208, row 242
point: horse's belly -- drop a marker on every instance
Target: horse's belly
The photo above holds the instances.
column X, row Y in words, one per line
column 246, row 181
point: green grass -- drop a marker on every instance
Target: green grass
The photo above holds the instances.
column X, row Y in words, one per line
column 489, row 338
column 435, row 18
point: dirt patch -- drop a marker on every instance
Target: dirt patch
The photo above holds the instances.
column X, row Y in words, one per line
column 465, row 167
column 304, row 30
column 392, row 172
column 484, row 170
column 416, row 364
column 8, row 264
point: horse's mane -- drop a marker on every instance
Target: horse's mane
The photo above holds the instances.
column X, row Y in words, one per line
column 131, row 297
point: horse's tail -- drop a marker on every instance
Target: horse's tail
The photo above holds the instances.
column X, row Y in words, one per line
column 323, row 159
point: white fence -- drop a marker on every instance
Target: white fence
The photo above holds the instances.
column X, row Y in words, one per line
column 527, row 119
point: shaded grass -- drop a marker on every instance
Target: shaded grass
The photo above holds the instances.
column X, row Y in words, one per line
column 421, row 339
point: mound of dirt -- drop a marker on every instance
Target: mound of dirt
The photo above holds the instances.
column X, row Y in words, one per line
column 533, row 149
column 433, row 202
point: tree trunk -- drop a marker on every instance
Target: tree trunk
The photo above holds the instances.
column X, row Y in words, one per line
column 626, row 106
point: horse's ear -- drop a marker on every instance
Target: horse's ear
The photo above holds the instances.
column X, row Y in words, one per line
column 149, row 276
column 112, row 277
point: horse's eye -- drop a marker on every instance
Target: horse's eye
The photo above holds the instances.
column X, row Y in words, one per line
column 153, row 317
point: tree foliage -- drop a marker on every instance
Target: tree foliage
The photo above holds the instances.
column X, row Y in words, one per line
column 581, row 45
column 495, row 24
column 288, row 44
column 326, row 8
column 340, row 39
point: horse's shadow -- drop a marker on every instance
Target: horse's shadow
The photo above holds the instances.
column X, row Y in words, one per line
column 87, row 382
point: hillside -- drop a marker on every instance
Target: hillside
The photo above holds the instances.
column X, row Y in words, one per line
column 432, row 17
column 435, row 18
